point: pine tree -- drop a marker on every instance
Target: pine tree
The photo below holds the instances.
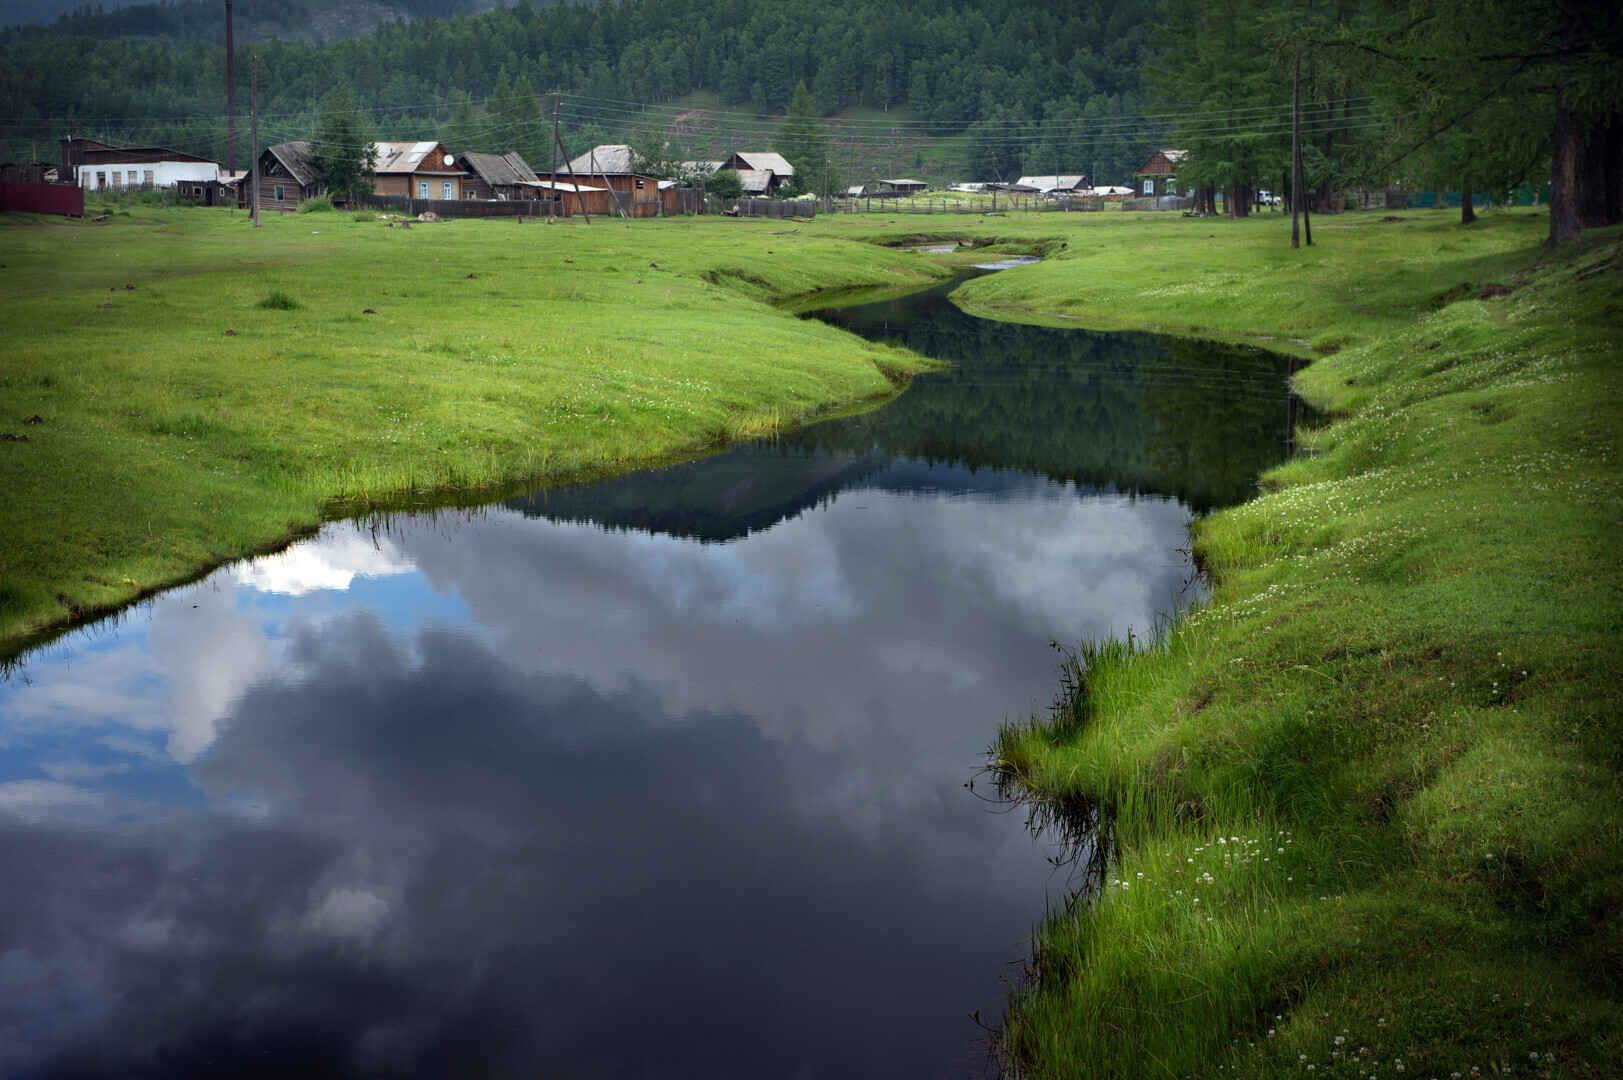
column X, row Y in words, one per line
column 804, row 145
column 342, row 150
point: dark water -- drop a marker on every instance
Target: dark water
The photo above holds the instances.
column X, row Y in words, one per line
column 658, row 777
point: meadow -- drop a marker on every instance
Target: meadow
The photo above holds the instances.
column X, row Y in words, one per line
column 193, row 390
column 1361, row 807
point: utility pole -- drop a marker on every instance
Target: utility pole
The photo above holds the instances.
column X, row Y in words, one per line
column 828, row 207
column 558, row 144
column 1296, row 151
column 230, row 96
column 552, row 175
column 253, row 111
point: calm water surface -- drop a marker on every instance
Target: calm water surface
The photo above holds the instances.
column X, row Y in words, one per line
column 657, row 777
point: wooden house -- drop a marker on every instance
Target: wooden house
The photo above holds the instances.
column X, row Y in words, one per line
column 762, row 171
column 417, row 170
column 496, row 176
column 1159, row 175
column 287, row 177
column 631, row 193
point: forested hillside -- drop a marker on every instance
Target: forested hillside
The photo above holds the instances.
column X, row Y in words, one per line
column 1015, row 80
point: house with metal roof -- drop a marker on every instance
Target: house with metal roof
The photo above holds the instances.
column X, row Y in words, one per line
column 417, row 170
column 496, row 176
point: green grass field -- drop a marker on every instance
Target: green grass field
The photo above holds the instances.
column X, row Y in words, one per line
column 206, row 390
column 1364, row 802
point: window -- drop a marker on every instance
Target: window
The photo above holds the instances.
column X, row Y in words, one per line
column 132, row 178
column 197, row 190
column 447, row 194
column 639, row 185
column 117, row 179
column 101, row 180
column 277, row 188
column 147, row 180
column 1149, row 187
column 422, row 189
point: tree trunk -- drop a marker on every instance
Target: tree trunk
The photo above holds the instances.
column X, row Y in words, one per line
column 1564, row 223
column 1467, row 210
column 1599, row 173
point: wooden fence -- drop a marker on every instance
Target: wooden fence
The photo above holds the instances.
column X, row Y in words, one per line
column 767, row 208
column 598, row 202
column 934, row 204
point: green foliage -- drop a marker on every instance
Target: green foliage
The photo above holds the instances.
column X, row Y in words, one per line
column 342, row 151
column 320, row 204
column 948, row 65
column 364, row 215
column 724, row 184
column 804, row 145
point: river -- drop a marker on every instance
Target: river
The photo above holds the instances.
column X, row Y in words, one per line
column 663, row 776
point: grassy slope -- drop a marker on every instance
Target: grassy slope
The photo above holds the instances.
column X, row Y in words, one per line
column 168, row 445
column 1391, row 738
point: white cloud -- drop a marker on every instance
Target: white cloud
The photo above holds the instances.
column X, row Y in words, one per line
column 331, row 561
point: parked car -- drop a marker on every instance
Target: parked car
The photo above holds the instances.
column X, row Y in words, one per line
column 1267, row 198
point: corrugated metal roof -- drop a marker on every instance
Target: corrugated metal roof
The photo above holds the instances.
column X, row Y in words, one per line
column 1068, row 182
column 295, row 158
column 560, row 186
column 408, row 157
column 497, row 169
column 756, row 179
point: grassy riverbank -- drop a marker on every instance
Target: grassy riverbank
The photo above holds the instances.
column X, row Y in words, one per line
column 1365, row 802
column 204, row 390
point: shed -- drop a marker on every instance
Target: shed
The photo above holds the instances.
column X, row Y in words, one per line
column 495, row 176
column 904, row 187
column 1159, row 175
column 417, row 170
column 563, row 197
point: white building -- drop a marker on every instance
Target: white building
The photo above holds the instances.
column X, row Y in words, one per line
column 102, row 167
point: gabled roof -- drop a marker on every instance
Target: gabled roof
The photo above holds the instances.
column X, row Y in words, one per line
column 560, row 186
column 409, row 157
column 613, row 160
column 755, row 179
column 1174, row 155
column 295, row 158
column 904, row 182
column 765, row 160
column 497, row 169
column 1056, row 182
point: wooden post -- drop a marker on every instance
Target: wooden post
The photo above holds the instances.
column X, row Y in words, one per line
column 552, row 173
column 570, row 165
column 230, row 96
column 253, row 107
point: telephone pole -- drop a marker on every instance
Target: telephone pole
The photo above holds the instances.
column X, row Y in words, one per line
column 552, row 176
column 253, row 110
column 230, row 97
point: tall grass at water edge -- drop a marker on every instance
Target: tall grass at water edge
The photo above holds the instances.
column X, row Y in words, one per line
column 1366, row 801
